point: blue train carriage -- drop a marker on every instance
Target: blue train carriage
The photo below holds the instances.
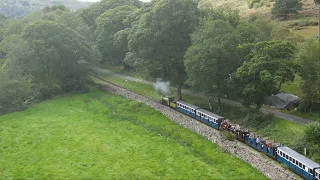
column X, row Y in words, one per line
column 298, row 163
column 187, row 108
column 264, row 145
column 209, row 118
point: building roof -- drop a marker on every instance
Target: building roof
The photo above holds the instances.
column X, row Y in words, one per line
column 304, row 160
column 210, row 114
column 187, row 104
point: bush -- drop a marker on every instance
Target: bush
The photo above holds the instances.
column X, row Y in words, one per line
column 70, row 84
column 257, row 119
column 13, row 94
column 310, row 141
column 228, row 136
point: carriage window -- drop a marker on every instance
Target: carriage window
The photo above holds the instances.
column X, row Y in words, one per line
column 304, row 166
column 297, row 163
column 290, row 159
column 286, row 156
column 294, row 161
column 310, row 171
column 300, row 165
column 280, row 153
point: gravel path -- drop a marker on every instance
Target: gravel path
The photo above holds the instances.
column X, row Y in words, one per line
column 278, row 114
column 267, row 166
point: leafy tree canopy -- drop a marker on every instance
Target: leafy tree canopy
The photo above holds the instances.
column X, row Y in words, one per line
column 283, row 8
column 267, row 66
column 108, row 24
column 89, row 15
column 212, row 57
column 308, row 60
column 160, row 39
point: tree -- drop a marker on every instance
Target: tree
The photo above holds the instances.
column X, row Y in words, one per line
column 283, row 8
column 52, row 55
column 108, row 24
column 212, row 57
column 267, row 66
column 308, row 61
column 89, row 15
column 157, row 43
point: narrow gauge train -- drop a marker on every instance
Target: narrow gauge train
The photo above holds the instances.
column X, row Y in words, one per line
column 296, row 162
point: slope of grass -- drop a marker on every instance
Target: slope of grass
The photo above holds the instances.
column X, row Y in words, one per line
column 308, row 32
column 101, row 136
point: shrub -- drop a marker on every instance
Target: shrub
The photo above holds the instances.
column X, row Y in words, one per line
column 13, row 94
column 228, row 136
column 257, row 119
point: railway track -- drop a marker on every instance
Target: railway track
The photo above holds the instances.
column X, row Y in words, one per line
column 265, row 165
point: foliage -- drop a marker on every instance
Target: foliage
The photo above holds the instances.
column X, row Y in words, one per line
column 212, row 57
column 311, row 141
column 308, row 60
column 89, row 15
column 21, row 8
column 117, row 134
column 258, row 119
column 282, row 33
column 283, row 8
column 14, row 93
column 46, row 52
column 258, row 3
column 157, row 43
column 254, row 29
column 228, row 136
column 267, row 66
column 108, row 25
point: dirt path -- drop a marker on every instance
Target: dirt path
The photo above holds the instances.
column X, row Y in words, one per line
column 278, row 114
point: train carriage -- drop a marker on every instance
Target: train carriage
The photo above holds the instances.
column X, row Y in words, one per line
column 298, row 163
column 317, row 174
column 209, row 118
column 187, row 108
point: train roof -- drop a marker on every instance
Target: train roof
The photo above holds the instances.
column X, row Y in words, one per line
column 187, row 104
column 210, row 114
column 304, row 160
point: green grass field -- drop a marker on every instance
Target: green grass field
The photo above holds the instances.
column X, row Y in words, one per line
column 102, row 136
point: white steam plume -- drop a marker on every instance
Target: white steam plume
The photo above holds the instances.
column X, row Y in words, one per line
column 162, row 87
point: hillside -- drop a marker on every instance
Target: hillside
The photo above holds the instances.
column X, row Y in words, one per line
column 102, row 136
column 20, row 8
column 308, row 7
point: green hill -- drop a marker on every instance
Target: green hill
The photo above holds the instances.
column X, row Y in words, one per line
column 102, row 136
column 20, row 8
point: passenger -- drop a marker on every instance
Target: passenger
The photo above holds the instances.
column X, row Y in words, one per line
column 258, row 140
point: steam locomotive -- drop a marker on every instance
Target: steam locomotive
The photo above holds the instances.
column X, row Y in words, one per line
column 296, row 162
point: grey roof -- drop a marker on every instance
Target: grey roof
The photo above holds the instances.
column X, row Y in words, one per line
column 210, row 114
column 304, row 160
column 187, row 104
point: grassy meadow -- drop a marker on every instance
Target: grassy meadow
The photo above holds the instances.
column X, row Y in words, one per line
column 102, row 136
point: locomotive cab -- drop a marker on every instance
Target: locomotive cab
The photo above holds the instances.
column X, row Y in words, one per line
column 168, row 101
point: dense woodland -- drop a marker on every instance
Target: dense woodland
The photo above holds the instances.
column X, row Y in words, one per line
column 213, row 51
